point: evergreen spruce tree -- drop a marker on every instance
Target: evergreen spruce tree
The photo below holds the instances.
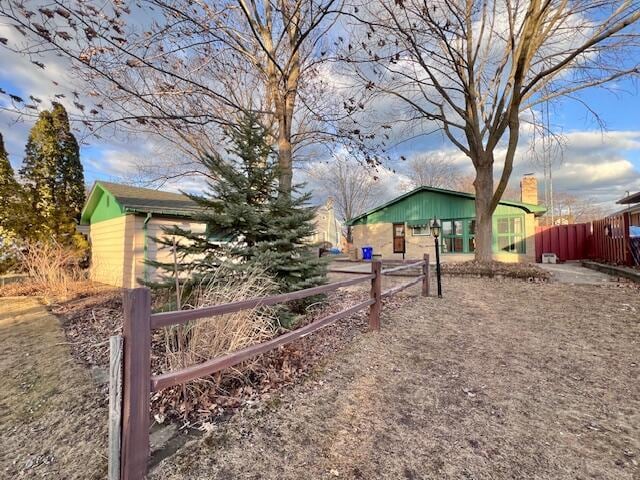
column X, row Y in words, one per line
column 53, row 175
column 247, row 223
column 70, row 171
column 11, row 212
column 9, row 189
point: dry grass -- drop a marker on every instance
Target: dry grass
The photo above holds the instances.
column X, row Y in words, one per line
column 212, row 337
column 53, row 269
column 53, row 421
column 501, row 379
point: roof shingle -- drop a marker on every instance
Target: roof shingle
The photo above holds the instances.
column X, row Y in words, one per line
column 148, row 200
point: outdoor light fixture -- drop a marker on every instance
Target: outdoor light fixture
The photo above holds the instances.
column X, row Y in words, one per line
column 435, row 231
column 435, row 228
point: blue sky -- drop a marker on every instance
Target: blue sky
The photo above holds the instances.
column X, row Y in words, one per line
column 597, row 165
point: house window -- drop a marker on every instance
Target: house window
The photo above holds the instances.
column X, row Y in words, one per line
column 458, row 235
column 510, row 234
column 421, row 230
column 452, row 236
column 471, row 235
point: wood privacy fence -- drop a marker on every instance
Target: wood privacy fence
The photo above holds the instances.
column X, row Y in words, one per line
column 568, row 242
column 139, row 383
column 610, row 240
column 607, row 240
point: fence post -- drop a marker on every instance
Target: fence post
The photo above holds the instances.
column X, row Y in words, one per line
column 136, row 330
column 376, row 294
column 626, row 239
column 115, row 406
column 425, row 272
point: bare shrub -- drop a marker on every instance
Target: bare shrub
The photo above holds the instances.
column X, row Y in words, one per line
column 53, row 269
column 212, row 337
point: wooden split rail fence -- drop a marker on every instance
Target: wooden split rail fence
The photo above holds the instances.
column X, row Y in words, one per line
column 139, row 383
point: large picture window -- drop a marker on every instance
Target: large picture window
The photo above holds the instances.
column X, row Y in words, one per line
column 458, row 235
column 510, row 234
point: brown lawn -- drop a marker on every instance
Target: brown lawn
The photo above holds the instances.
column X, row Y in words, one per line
column 500, row 379
column 52, row 419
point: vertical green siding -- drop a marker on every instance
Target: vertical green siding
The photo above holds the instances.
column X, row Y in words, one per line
column 418, row 208
column 424, row 205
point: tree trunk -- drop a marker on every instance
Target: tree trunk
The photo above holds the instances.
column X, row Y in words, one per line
column 285, row 160
column 484, row 192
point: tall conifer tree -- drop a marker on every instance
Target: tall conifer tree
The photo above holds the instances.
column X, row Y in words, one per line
column 12, row 225
column 53, row 174
column 71, row 173
column 10, row 194
column 248, row 221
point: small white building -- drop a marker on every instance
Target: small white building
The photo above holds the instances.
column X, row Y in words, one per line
column 328, row 227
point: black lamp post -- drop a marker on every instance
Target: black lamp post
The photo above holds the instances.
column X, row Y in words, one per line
column 435, row 231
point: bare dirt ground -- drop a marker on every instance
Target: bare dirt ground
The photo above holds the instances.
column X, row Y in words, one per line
column 500, row 379
column 52, row 418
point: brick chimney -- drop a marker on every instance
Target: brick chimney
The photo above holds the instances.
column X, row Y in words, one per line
column 529, row 189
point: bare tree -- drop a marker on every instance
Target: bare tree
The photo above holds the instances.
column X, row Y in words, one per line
column 569, row 209
column 432, row 170
column 185, row 69
column 480, row 69
column 353, row 187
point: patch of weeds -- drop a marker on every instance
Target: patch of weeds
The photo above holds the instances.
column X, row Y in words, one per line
column 215, row 441
column 274, row 403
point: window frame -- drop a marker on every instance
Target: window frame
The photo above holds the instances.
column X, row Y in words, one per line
column 465, row 236
column 511, row 235
column 427, row 234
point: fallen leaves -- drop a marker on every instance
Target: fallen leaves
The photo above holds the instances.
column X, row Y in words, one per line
column 88, row 321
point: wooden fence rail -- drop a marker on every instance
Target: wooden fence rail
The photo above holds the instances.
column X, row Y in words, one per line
column 139, row 322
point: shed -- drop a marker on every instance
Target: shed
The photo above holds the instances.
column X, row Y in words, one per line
column 123, row 220
column 400, row 227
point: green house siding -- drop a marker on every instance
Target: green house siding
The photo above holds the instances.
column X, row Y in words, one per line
column 107, row 207
column 421, row 205
column 101, row 205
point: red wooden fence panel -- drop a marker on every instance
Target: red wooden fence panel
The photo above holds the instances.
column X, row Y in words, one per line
column 568, row 242
column 605, row 240
column 610, row 240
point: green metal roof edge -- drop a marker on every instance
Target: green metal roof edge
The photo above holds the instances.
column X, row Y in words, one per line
column 528, row 207
column 168, row 213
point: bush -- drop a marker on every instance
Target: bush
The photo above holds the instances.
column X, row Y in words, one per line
column 208, row 338
column 54, row 269
column 9, row 262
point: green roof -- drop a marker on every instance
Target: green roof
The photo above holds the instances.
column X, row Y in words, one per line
column 130, row 199
column 412, row 211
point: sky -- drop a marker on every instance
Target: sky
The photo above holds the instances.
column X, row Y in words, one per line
column 598, row 164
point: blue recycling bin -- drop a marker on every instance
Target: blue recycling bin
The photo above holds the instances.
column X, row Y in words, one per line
column 367, row 253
